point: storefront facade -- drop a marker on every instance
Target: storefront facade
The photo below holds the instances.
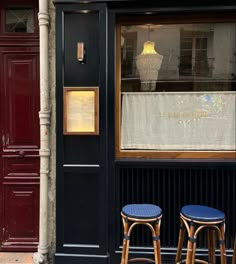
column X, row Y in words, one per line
column 134, row 124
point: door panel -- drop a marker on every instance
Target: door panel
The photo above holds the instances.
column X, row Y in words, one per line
column 21, row 168
column 19, row 124
column 21, row 218
column 21, row 101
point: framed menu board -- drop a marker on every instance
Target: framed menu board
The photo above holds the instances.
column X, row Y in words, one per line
column 81, row 111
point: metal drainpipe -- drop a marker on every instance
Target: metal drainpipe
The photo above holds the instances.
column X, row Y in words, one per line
column 44, row 115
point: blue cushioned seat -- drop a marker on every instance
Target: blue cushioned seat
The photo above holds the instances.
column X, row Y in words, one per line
column 142, row 211
column 202, row 213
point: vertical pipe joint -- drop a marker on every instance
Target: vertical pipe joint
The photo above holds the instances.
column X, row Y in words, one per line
column 43, row 18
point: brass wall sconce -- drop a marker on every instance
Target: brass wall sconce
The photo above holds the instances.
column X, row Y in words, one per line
column 81, row 52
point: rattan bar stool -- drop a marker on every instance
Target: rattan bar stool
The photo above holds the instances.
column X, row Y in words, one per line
column 194, row 218
column 141, row 214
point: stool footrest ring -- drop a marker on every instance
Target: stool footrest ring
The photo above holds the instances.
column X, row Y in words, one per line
column 141, row 260
column 196, row 260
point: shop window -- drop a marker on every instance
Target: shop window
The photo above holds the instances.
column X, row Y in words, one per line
column 19, row 20
column 176, row 89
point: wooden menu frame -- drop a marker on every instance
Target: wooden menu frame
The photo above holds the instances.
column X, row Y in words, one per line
column 81, row 111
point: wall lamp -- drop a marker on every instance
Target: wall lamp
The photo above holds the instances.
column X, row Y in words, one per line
column 81, row 52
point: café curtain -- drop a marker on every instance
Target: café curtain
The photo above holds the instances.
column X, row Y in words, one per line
column 178, row 121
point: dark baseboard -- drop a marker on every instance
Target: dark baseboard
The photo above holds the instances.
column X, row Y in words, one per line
column 167, row 255
column 61, row 258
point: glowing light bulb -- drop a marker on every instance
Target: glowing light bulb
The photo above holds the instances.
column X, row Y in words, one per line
column 148, row 48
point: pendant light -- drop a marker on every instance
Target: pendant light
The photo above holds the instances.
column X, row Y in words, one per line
column 148, row 64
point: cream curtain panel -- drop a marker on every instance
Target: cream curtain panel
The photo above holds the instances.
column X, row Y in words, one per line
column 178, row 121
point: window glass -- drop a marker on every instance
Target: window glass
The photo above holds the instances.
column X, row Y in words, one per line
column 177, row 87
column 19, row 20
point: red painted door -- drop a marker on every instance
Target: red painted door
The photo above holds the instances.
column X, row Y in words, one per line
column 19, row 132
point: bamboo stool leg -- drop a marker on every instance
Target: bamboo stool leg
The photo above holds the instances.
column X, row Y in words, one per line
column 222, row 244
column 125, row 240
column 127, row 252
column 159, row 251
column 180, row 242
column 155, row 249
column 211, row 246
column 124, row 251
column 194, row 249
column 156, row 242
column 190, row 244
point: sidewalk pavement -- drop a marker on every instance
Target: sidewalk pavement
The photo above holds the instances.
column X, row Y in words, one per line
column 16, row 258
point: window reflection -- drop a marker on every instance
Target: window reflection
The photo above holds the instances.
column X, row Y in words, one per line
column 199, row 56
column 19, row 20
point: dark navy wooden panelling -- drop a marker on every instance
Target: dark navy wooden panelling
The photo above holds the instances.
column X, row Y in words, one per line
column 81, row 149
column 81, row 213
column 80, row 210
column 81, row 27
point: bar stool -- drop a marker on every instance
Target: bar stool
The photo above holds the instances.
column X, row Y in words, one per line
column 144, row 214
column 194, row 218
